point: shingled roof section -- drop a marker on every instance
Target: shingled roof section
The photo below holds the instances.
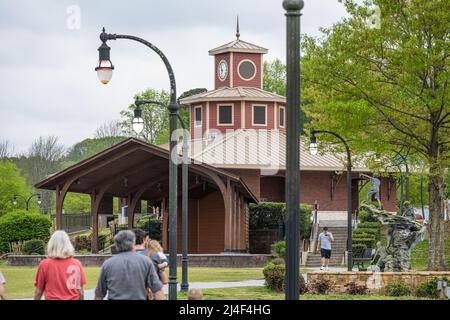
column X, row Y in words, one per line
column 235, row 94
column 261, row 149
column 238, row 45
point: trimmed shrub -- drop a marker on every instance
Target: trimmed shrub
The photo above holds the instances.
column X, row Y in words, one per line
column 320, row 286
column 370, row 231
column 278, row 261
column 358, row 249
column 280, row 249
column 35, row 246
column 22, row 225
column 368, row 241
column 274, row 278
column 397, row 289
column 83, row 242
column 266, row 215
column 354, row 289
column 370, row 225
column 429, row 288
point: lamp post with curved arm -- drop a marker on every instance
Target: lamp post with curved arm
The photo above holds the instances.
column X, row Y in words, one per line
column 313, row 150
column 27, row 201
column 184, row 202
column 104, row 72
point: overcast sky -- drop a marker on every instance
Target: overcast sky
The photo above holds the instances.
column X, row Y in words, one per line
column 48, row 85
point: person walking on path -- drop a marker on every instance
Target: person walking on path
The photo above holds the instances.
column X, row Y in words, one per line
column 128, row 275
column 60, row 276
column 325, row 239
column 2, row 286
column 141, row 241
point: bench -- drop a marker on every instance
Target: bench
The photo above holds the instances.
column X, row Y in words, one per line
column 366, row 257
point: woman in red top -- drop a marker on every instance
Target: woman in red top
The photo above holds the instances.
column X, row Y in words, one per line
column 60, row 277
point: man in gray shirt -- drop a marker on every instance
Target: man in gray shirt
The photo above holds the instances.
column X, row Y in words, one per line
column 128, row 275
column 325, row 239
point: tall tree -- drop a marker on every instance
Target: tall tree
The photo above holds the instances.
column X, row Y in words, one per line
column 386, row 84
column 274, row 79
column 155, row 118
column 109, row 129
column 6, row 149
column 12, row 183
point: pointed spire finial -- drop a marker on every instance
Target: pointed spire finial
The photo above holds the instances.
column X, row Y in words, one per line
column 237, row 28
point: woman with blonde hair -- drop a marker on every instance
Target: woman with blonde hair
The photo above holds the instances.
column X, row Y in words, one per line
column 159, row 259
column 60, row 276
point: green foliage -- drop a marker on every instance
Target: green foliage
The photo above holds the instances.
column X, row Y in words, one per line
column 266, row 215
column 278, row 261
column 155, row 228
column 35, row 246
column 21, row 225
column 355, row 289
column 274, row 278
column 89, row 147
column 370, row 232
column 429, row 289
column 83, row 242
column 397, row 289
column 274, row 79
column 11, row 183
column 368, row 241
column 156, row 118
column 370, row 225
column 358, row 249
column 280, row 249
column 77, row 203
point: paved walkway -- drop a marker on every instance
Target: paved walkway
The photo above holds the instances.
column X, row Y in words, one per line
column 89, row 294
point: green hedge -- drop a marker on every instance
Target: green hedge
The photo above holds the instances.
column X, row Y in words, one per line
column 274, row 277
column 370, row 225
column 84, row 241
column 21, row 225
column 35, row 246
column 266, row 215
column 369, row 242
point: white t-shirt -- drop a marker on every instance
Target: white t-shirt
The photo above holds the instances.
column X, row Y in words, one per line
column 325, row 240
column 2, row 278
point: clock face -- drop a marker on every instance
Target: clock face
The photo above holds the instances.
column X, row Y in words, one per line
column 222, row 70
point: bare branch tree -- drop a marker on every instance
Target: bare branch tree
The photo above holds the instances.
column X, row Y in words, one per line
column 6, row 149
column 109, row 129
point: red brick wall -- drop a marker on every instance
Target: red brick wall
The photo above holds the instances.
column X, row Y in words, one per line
column 250, row 177
column 272, row 188
column 226, row 82
column 213, row 116
column 237, row 80
column 249, row 115
column 197, row 132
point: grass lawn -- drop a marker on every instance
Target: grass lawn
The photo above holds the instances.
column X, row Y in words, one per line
column 419, row 256
column 20, row 280
column 262, row 293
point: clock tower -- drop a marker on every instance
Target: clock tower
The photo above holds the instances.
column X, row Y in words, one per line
column 238, row 64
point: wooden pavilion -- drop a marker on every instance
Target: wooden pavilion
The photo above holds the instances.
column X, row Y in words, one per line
column 134, row 170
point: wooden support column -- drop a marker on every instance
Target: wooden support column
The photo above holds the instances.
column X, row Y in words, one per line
column 228, row 216
column 59, row 208
column 94, row 222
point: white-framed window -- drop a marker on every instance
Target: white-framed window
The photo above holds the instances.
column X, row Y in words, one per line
column 259, row 115
column 198, row 116
column 281, row 116
column 225, row 115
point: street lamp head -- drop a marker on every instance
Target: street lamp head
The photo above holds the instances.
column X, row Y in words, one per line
column 138, row 122
column 312, row 143
column 294, row 5
column 14, row 200
column 39, row 199
column 105, row 67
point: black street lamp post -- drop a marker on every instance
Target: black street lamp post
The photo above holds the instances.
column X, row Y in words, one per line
column 292, row 187
column 184, row 202
column 27, row 201
column 104, row 71
column 313, row 150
